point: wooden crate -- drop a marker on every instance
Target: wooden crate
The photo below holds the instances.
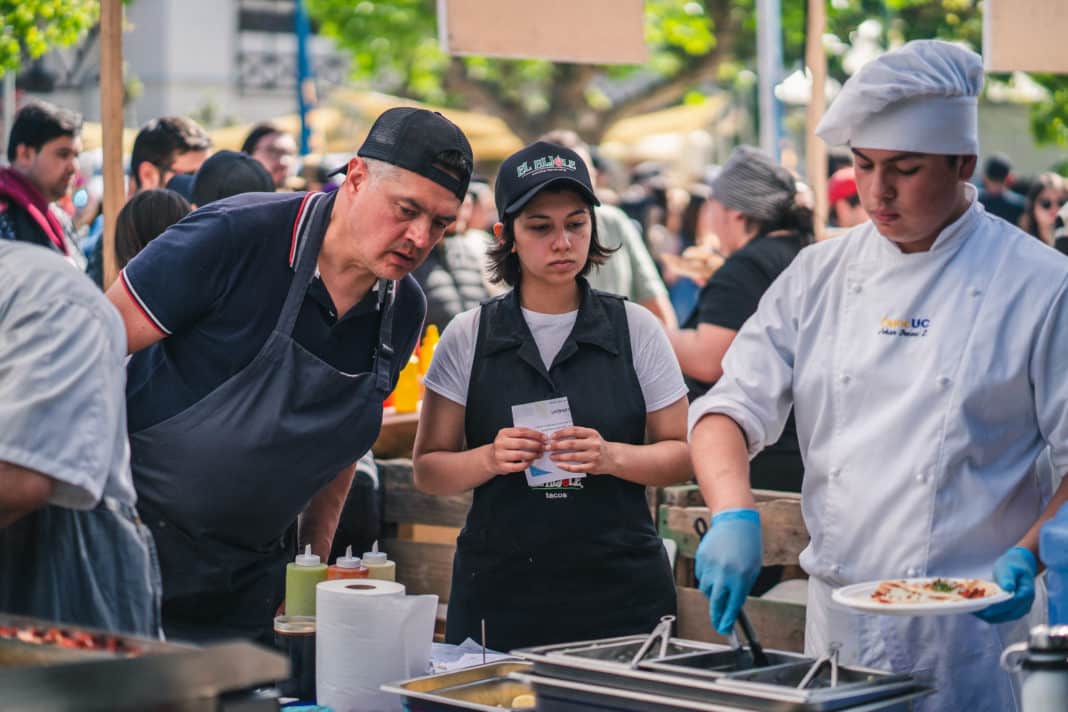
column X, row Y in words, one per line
column 779, row 624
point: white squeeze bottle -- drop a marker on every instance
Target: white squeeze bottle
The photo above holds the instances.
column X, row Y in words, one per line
column 378, row 564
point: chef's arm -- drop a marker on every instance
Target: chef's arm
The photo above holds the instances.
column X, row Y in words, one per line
column 700, row 351
column 665, row 460
column 1030, row 539
column 721, row 463
column 319, row 520
column 21, row 492
column 140, row 330
column 441, row 466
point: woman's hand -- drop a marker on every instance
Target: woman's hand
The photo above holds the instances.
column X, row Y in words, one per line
column 577, row 449
column 514, row 449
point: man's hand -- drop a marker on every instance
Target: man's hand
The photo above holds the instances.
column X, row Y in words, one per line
column 727, row 564
column 1015, row 572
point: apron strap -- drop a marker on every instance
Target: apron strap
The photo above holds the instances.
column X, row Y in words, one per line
column 385, row 354
column 309, row 243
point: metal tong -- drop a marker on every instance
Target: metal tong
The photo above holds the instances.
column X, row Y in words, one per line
column 830, row 657
column 760, row 659
column 661, row 633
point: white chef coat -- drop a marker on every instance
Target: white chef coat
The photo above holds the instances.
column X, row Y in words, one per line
column 924, row 387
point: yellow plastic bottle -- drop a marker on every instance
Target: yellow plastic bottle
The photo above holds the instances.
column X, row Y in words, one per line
column 426, row 348
column 378, row 564
column 409, row 390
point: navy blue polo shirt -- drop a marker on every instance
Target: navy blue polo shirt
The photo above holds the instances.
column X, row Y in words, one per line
column 215, row 283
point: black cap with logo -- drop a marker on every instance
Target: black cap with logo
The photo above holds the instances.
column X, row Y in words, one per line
column 530, row 170
column 416, row 139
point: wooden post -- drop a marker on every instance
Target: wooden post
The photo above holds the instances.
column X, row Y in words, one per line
column 111, row 120
column 815, row 150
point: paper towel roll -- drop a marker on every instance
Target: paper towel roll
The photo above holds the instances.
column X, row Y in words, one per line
column 369, row 633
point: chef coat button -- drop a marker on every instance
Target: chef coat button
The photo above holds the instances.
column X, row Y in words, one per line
column 836, row 569
column 922, row 478
column 976, row 291
column 943, row 381
column 854, row 288
column 834, row 473
column 913, row 572
column 844, row 379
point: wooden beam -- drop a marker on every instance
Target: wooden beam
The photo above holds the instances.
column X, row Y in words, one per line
column 422, row 567
column 782, row 528
column 404, row 504
column 111, row 98
column 815, row 149
column 779, row 625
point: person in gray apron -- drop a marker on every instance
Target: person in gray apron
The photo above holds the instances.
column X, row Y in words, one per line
column 72, row 548
column 575, row 555
column 223, row 480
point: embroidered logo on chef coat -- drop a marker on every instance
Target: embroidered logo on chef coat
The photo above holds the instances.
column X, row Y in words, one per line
column 915, row 326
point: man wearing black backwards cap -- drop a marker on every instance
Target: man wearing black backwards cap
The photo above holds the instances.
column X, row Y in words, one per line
column 266, row 330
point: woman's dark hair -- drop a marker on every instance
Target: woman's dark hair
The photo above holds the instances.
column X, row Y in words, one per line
column 144, row 218
column 504, row 263
column 258, row 132
column 1045, row 181
column 795, row 217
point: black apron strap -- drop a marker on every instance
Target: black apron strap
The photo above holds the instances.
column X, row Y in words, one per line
column 309, row 243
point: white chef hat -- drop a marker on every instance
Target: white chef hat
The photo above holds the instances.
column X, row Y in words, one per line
column 922, row 97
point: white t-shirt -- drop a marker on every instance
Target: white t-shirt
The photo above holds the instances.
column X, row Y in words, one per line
column 654, row 361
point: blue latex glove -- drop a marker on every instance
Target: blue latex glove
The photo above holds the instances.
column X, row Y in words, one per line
column 727, row 564
column 1015, row 572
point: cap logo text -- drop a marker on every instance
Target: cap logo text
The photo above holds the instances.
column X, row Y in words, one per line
column 546, row 163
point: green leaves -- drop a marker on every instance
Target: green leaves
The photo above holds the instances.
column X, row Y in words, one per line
column 29, row 28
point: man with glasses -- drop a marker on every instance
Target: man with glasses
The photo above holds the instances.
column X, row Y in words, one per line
column 164, row 148
column 274, row 149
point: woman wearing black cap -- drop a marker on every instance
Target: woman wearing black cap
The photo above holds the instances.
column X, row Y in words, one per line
column 553, row 555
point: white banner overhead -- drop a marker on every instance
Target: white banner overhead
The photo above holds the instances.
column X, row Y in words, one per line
column 582, row 31
column 1025, row 35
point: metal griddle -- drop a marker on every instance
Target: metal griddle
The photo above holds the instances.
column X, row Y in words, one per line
column 718, row 676
column 151, row 675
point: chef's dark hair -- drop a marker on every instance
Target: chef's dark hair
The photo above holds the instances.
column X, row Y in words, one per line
column 504, row 263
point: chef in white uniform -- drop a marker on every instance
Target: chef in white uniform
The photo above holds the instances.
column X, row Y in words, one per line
column 923, row 353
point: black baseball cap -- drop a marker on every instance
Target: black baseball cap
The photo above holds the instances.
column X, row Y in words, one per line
column 415, row 139
column 229, row 173
column 527, row 172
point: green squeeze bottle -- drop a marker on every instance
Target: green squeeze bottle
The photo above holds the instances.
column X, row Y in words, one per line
column 301, row 577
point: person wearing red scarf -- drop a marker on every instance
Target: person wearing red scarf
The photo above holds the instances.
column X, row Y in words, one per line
column 43, row 152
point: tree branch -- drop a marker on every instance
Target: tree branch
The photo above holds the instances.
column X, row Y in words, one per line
column 482, row 97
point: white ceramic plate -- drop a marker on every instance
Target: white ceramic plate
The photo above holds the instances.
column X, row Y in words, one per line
column 858, row 597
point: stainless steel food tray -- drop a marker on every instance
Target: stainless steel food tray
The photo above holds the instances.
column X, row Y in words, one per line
column 556, row 695
column 487, row 688
column 601, row 663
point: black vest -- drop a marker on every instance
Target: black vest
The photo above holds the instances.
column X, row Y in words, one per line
column 579, row 561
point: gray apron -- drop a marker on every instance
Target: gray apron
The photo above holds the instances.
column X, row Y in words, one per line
column 94, row 568
column 221, row 484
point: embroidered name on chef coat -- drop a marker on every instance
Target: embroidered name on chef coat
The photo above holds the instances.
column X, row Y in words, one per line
column 915, row 326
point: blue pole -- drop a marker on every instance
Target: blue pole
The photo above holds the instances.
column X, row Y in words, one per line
column 305, row 77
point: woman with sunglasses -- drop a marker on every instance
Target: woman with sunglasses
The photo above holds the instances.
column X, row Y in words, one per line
column 1044, row 199
column 574, row 555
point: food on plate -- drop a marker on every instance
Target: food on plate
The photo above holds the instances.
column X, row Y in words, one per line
column 932, row 590
column 524, row 702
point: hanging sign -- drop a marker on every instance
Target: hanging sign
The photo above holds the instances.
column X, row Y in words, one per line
column 581, row 31
column 1025, row 35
